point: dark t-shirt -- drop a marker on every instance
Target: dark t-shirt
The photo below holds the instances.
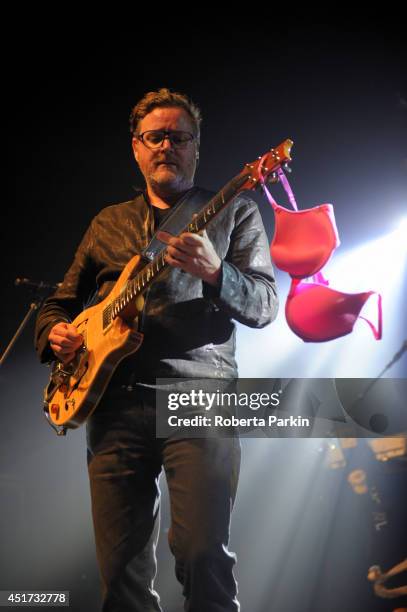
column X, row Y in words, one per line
column 159, row 215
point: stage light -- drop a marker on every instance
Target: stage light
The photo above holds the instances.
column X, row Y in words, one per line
column 403, row 226
column 400, row 235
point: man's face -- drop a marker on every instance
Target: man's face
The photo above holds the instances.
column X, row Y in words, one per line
column 167, row 170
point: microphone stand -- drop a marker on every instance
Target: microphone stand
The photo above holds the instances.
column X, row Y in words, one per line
column 40, row 290
column 395, row 358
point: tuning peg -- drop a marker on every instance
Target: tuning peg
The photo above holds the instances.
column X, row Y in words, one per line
column 273, row 178
column 287, row 168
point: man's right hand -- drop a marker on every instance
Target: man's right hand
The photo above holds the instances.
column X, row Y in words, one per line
column 65, row 340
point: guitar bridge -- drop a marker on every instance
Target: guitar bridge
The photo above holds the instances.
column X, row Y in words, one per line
column 62, row 373
column 60, row 378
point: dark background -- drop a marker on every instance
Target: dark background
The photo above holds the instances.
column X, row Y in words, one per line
column 337, row 89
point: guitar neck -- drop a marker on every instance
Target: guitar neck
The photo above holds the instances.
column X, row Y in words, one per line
column 248, row 178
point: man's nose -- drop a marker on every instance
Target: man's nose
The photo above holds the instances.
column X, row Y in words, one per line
column 166, row 143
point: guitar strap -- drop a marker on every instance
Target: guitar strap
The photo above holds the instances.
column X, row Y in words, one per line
column 177, row 220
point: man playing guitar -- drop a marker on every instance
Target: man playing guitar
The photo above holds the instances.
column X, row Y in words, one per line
column 187, row 314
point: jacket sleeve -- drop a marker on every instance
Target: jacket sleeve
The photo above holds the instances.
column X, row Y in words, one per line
column 247, row 289
column 69, row 299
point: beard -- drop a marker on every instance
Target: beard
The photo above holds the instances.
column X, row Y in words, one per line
column 168, row 181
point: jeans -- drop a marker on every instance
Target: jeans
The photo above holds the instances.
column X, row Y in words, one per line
column 124, row 462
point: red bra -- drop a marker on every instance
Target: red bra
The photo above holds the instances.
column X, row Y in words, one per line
column 303, row 242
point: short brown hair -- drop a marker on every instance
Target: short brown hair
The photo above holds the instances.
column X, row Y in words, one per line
column 164, row 98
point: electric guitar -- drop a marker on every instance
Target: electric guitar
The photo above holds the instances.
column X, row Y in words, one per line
column 110, row 329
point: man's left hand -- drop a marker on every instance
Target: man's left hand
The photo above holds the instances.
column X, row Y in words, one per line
column 193, row 253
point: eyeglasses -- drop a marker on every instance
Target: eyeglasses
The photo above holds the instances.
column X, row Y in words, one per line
column 153, row 139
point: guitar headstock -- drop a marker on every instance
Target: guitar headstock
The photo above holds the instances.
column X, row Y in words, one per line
column 261, row 169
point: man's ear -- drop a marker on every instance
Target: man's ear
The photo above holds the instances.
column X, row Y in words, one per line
column 134, row 146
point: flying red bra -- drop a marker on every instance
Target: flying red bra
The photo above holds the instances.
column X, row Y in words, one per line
column 303, row 242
